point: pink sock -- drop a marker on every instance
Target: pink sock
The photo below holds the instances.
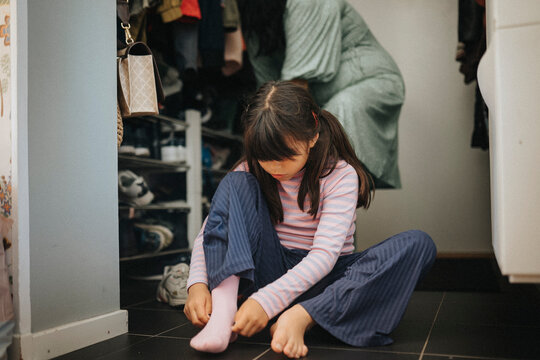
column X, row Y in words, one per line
column 216, row 335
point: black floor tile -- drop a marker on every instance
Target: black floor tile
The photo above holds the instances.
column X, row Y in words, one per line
column 133, row 291
column 423, row 306
column 427, row 297
column 463, row 275
column 484, row 341
column 153, row 322
column 316, row 353
column 409, row 336
column 495, row 310
column 186, row 331
column 513, row 295
column 153, row 304
column 162, row 348
column 104, row 347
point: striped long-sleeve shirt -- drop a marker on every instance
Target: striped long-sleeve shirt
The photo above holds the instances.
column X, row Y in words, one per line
column 326, row 237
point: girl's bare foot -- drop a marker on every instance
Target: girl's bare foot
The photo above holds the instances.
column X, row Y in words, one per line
column 288, row 332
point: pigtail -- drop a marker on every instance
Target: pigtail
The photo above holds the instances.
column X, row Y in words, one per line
column 344, row 149
column 333, row 144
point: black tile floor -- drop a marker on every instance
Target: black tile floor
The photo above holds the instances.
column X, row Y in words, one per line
column 438, row 325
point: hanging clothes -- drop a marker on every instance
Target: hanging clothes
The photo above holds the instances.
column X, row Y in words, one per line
column 231, row 15
column 234, row 48
column 190, row 10
column 170, row 10
column 211, row 33
column 471, row 47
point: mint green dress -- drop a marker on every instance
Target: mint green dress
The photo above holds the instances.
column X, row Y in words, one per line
column 349, row 74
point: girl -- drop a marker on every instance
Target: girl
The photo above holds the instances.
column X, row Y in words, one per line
column 281, row 232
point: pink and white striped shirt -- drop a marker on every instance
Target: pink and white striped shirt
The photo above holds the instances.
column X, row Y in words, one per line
column 326, row 237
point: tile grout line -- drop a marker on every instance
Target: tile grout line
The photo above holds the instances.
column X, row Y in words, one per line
column 139, row 303
column 152, row 309
column 261, row 355
column 431, row 328
column 468, row 357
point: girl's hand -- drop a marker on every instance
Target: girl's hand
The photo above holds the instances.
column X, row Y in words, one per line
column 250, row 318
column 198, row 304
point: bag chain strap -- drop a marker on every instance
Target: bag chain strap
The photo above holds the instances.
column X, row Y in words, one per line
column 129, row 38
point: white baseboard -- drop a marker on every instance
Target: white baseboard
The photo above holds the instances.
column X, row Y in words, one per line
column 69, row 337
column 531, row 279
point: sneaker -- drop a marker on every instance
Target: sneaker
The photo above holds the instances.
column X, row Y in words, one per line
column 150, row 241
column 133, row 190
column 154, row 238
column 173, row 286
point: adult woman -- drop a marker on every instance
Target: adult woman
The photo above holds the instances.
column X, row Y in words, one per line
column 328, row 47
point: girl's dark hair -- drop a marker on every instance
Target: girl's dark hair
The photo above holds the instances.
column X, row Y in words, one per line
column 264, row 20
column 281, row 111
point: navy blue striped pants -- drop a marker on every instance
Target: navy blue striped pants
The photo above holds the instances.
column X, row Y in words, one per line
column 362, row 299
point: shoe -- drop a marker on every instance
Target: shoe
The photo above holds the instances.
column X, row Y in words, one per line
column 133, row 189
column 175, row 222
column 173, row 149
column 150, row 241
column 173, row 286
column 168, row 152
column 154, row 238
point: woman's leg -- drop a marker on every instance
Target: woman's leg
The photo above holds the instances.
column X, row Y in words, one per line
column 369, row 112
column 366, row 304
column 239, row 242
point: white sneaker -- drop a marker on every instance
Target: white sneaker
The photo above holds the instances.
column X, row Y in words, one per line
column 173, row 286
column 133, row 189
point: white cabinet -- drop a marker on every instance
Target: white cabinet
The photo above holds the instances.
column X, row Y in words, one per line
column 509, row 78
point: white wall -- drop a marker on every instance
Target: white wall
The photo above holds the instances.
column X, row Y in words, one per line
column 445, row 182
column 66, row 278
column 72, row 161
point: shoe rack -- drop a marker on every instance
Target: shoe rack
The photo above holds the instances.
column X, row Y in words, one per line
column 197, row 201
column 192, row 167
